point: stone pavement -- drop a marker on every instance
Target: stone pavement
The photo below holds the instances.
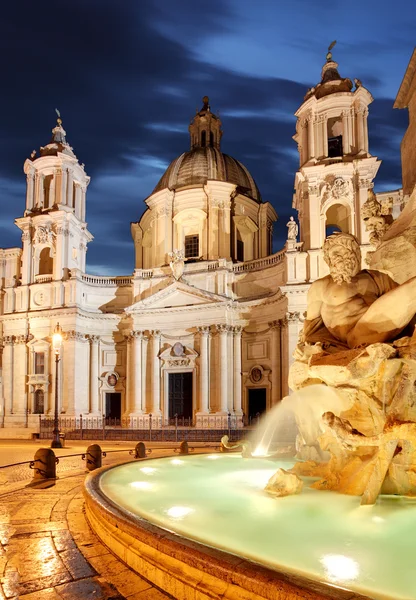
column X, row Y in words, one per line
column 49, row 552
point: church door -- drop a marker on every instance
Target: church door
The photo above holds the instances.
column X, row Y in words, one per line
column 180, row 395
column 113, row 406
column 256, row 401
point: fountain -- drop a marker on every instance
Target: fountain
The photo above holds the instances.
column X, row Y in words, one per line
column 338, row 520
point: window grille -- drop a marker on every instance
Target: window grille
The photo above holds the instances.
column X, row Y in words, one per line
column 191, row 246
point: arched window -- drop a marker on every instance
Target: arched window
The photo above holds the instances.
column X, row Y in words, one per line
column 211, row 139
column 203, row 139
column 240, row 247
column 45, row 262
column 337, row 219
column 335, row 137
column 39, row 406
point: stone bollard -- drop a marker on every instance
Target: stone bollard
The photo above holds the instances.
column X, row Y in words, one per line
column 184, row 448
column 44, row 464
column 140, row 450
column 93, row 457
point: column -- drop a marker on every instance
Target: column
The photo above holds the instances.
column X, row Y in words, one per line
column 317, row 137
column 136, row 373
column 360, row 130
column 8, row 374
column 77, row 206
column 230, row 370
column 94, row 374
column 346, row 145
column 156, row 409
column 223, row 334
column 284, row 360
column 204, row 335
column 19, row 375
column 275, row 359
column 311, row 140
column 324, row 129
column 26, row 258
column 83, row 193
column 144, row 372
column 30, row 181
column 64, row 179
column 237, row 370
column 365, row 128
column 40, row 191
column 70, row 189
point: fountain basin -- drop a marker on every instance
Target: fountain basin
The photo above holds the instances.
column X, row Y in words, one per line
column 202, row 527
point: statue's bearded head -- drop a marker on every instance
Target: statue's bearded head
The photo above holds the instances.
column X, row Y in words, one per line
column 343, row 256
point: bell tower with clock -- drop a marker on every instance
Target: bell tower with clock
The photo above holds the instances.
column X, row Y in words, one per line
column 336, row 167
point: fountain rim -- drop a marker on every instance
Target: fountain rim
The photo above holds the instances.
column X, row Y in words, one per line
column 174, row 563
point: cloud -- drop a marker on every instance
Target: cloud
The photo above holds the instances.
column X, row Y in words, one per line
column 128, row 76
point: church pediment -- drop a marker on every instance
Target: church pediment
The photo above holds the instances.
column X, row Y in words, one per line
column 177, row 294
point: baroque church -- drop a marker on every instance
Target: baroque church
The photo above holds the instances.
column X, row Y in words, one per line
column 205, row 327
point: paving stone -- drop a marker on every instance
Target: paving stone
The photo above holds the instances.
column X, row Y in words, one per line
column 41, row 583
column 88, row 588
column 48, row 594
column 76, row 564
column 108, row 565
column 129, row 583
column 90, row 549
column 63, row 540
column 10, row 583
column 151, row 594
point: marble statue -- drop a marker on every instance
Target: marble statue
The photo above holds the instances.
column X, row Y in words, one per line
column 350, row 308
column 292, row 230
column 359, row 341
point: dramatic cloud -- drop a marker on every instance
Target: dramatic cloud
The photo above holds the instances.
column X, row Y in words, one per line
column 128, row 76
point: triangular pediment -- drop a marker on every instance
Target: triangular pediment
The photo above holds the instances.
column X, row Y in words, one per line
column 177, row 294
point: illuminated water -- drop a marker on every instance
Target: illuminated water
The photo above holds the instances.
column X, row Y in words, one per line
column 219, row 500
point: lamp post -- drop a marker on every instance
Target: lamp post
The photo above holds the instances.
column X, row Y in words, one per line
column 56, row 343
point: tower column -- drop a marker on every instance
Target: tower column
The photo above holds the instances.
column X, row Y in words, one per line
column 69, row 189
column 63, row 191
column 40, row 190
column 365, row 128
column 311, row 136
column 144, row 372
column 360, row 130
column 156, row 410
column 346, row 144
column 284, row 365
column 30, row 182
column 237, row 406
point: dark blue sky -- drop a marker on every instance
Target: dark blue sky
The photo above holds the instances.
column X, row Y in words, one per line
column 128, row 75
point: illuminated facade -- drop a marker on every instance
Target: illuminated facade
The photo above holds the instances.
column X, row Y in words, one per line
column 206, row 325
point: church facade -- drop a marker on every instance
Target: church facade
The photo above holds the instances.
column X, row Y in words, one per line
column 205, row 327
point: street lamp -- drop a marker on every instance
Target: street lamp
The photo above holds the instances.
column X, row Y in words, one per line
column 56, row 343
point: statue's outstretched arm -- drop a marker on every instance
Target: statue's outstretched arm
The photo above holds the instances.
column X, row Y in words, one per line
column 386, row 317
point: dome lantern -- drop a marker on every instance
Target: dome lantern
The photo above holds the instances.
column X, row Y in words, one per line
column 205, row 128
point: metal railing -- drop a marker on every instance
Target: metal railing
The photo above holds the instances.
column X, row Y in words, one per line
column 176, row 429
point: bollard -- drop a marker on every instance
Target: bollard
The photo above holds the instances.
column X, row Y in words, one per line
column 93, row 457
column 140, row 450
column 184, row 448
column 44, row 464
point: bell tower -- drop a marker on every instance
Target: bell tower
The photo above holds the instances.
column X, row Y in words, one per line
column 336, row 167
column 54, row 231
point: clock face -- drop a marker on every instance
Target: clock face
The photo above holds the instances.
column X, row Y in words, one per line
column 178, row 349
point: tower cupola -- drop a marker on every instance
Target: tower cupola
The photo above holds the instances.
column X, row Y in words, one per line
column 205, row 128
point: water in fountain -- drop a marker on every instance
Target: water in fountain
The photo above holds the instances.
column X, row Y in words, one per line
column 296, row 419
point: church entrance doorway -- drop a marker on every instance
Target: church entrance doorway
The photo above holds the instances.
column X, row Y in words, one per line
column 180, row 395
column 256, row 402
column 112, row 407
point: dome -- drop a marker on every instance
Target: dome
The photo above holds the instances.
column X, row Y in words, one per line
column 196, row 167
